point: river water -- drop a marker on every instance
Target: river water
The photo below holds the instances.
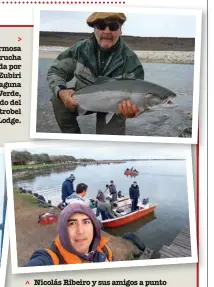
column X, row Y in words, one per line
column 166, row 123
column 163, row 181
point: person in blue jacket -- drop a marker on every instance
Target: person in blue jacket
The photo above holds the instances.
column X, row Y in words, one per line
column 134, row 194
column 67, row 188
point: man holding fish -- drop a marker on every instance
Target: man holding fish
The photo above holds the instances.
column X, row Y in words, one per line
column 106, row 73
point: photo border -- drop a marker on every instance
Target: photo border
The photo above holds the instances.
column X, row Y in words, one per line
column 4, row 256
column 5, row 243
column 185, row 153
column 137, row 10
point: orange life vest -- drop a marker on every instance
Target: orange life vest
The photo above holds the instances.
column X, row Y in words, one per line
column 60, row 255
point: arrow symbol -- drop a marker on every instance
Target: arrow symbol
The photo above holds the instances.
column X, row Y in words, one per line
column 27, row 283
column 19, row 39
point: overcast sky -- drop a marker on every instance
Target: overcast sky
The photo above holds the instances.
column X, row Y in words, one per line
column 101, row 151
column 136, row 24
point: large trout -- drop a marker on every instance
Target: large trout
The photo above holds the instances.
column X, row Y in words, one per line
column 107, row 93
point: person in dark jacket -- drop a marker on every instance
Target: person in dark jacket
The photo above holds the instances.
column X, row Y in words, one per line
column 67, row 188
column 112, row 190
column 79, row 240
column 105, row 54
column 134, row 194
column 104, row 207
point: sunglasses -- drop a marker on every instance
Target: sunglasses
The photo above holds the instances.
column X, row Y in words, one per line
column 113, row 26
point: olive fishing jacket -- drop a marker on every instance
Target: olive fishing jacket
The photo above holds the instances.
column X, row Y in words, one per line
column 84, row 62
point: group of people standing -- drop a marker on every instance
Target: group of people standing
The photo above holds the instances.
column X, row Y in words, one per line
column 103, row 206
column 102, row 203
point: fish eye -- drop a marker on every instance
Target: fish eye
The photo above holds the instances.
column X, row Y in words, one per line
column 156, row 95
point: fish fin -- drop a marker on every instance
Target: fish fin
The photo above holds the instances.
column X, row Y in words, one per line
column 102, row 80
column 81, row 111
column 109, row 117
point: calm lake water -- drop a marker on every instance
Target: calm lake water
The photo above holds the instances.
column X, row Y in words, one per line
column 168, row 122
column 164, row 182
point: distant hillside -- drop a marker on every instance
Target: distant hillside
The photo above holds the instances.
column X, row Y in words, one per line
column 66, row 39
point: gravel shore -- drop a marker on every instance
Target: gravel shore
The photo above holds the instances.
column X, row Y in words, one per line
column 168, row 57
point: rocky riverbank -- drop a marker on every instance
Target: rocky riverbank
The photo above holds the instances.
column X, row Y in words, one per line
column 36, row 170
column 31, row 235
column 67, row 39
column 168, row 57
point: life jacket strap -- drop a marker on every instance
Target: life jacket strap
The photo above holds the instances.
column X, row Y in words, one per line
column 58, row 259
column 56, row 255
column 107, row 251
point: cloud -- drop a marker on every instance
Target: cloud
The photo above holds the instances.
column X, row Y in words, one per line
column 136, row 24
column 102, row 151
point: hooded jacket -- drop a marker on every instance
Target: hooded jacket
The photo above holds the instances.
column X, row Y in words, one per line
column 62, row 252
column 67, row 188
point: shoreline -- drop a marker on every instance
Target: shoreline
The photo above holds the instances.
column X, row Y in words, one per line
column 25, row 170
column 165, row 57
column 28, row 208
